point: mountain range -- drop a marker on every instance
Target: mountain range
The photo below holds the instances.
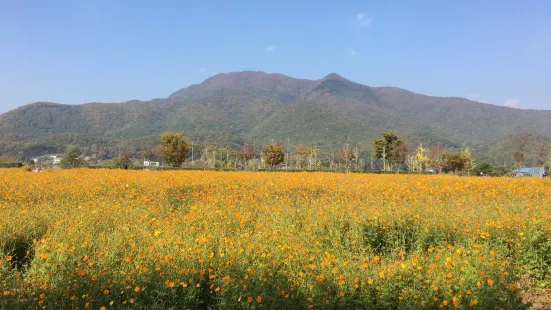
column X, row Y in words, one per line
column 230, row 107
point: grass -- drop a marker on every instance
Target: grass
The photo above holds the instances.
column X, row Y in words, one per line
column 106, row 239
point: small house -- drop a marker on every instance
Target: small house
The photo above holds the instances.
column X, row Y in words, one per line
column 530, row 172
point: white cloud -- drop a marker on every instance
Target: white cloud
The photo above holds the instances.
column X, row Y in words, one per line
column 512, row 103
column 363, row 20
column 351, row 52
column 270, row 49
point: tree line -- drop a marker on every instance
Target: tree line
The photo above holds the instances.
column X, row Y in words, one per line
column 387, row 153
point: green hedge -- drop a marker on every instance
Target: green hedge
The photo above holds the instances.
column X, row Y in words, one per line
column 11, row 165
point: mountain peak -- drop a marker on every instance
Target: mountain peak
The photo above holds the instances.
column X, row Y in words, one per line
column 333, row 76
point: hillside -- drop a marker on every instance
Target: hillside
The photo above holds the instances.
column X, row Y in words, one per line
column 227, row 108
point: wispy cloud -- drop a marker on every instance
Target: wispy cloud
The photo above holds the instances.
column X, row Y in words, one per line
column 363, row 20
column 270, row 49
column 512, row 103
column 351, row 52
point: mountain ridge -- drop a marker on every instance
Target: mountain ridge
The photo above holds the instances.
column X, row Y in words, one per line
column 229, row 107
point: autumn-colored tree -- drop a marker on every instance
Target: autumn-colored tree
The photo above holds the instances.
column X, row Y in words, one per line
column 273, row 154
column 390, row 149
column 421, row 157
column 435, row 157
column 247, row 153
column 302, row 153
column 470, row 164
column 174, row 147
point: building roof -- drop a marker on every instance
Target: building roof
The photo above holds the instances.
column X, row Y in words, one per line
column 535, row 171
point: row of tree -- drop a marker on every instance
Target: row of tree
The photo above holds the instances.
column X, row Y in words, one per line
column 388, row 153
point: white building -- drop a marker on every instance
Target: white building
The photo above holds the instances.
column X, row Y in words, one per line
column 151, row 164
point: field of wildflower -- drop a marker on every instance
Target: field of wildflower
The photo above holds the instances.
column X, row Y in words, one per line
column 105, row 239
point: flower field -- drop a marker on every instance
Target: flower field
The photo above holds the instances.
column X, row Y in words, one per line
column 104, row 239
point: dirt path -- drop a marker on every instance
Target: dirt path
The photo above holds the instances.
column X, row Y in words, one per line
column 539, row 300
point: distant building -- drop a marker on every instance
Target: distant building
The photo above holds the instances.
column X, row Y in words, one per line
column 530, row 172
column 151, row 164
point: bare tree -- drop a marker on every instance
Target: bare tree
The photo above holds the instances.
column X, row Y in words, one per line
column 313, row 160
column 302, row 153
column 356, row 153
column 412, row 163
column 346, row 156
column 435, row 157
column 520, row 142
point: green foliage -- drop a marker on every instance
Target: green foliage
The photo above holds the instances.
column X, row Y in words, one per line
column 11, row 165
column 391, row 149
column 484, row 168
column 454, row 161
column 174, row 147
column 70, row 158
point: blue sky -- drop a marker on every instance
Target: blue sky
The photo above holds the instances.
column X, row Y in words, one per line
column 74, row 51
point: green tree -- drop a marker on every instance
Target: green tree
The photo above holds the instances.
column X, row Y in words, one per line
column 454, row 161
column 174, row 147
column 273, row 154
column 483, row 168
column 390, row 149
column 70, row 158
